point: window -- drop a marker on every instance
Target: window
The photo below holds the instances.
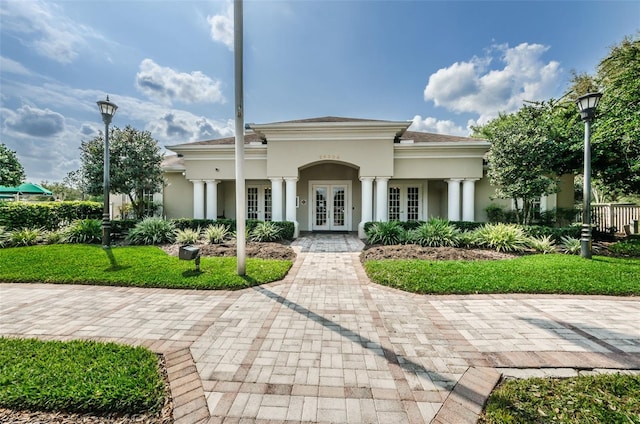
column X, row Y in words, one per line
column 259, row 202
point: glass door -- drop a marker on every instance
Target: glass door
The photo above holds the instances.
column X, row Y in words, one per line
column 330, row 211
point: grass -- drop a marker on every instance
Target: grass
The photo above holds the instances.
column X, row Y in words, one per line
column 553, row 273
column 608, row 398
column 79, row 376
column 139, row 266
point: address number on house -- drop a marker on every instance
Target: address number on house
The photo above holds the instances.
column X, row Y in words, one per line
column 330, row 157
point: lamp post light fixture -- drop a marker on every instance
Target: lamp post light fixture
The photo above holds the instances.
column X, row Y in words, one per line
column 107, row 109
column 587, row 105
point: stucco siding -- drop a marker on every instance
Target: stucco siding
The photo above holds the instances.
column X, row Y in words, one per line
column 178, row 196
column 438, row 168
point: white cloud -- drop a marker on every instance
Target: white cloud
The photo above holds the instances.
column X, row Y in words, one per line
column 167, row 85
column 470, row 87
column 13, row 67
column 179, row 127
column 433, row 125
column 222, row 26
column 44, row 27
column 33, row 121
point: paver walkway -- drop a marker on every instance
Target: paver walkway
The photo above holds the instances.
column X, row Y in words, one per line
column 327, row 345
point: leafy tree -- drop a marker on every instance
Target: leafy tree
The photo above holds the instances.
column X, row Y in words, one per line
column 529, row 150
column 134, row 169
column 11, row 171
column 61, row 190
column 616, row 130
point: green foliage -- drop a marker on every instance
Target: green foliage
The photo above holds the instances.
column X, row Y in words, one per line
column 83, row 231
column 152, row 231
column 79, row 376
column 468, row 239
column 187, row 236
column 570, row 245
column 4, row 237
column 134, row 169
column 52, row 237
column 287, row 229
column 62, row 191
column 24, row 237
column 47, row 215
column 628, row 248
column 216, row 234
column 616, row 130
column 265, row 232
column 502, row 237
column 436, row 232
column 131, row 266
column 556, row 233
column 606, row 398
column 554, row 273
column 11, row 171
column 386, row 233
column 543, row 245
column 121, row 227
column 465, row 225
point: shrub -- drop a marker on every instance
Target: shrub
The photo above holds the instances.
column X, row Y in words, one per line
column 556, row 233
column 543, row 245
column 495, row 213
column 265, row 231
column 24, row 237
column 287, row 229
column 83, row 231
column 152, row 231
column 121, row 227
column 47, row 215
column 626, row 248
column 52, row 237
column 466, row 225
column 216, row 234
column 4, row 236
column 468, row 239
column 502, row 237
column 386, row 233
column 570, row 245
column 436, row 232
column 187, row 236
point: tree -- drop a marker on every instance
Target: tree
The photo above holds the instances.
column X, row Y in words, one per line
column 11, row 171
column 616, row 129
column 61, row 190
column 134, row 169
column 529, row 150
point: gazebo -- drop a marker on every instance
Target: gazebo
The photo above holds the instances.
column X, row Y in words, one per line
column 23, row 189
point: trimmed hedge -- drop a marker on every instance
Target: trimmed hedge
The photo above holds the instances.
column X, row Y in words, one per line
column 47, row 215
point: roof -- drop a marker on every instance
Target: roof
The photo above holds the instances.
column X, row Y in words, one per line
column 252, row 137
column 172, row 161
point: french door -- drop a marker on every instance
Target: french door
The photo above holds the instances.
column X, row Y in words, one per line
column 404, row 203
column 330, row 207
column 259, row 202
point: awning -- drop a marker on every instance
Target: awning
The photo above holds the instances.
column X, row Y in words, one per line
column 26, row 188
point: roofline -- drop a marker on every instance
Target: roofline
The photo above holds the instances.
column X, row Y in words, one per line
column 294, row 126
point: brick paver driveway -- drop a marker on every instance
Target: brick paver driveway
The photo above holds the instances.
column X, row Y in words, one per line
column 327, row 345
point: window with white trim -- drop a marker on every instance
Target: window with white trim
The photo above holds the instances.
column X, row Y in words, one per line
column 259, row 203
column 405, row 202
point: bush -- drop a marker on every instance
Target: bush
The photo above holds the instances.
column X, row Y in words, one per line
column 46, row 215
column 265, row 232
column 570, row 245
column 194, row 224
column 543, row 244
column 468, row 239
column 556, row 234
column 287, row 229
column 466, row 225
column 152, row 231
column 436, row 232
column 121, row 227
column 216, row 234
column 4, row 236
column 502, row 237
column 386, row 233
column 83, row 231
column 495, row 213
column 24, row 237
column 626, row 248
column 187, row 236
column 52, row 237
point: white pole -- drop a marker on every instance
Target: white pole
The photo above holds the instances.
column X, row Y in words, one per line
column 240, row 200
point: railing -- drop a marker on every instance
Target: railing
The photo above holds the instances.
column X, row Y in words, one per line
column 607, row 215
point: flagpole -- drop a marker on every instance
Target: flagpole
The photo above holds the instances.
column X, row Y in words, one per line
column 239, row 157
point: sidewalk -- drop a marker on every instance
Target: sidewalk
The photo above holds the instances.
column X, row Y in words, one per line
column 327, row 345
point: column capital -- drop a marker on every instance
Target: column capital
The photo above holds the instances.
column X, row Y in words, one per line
column 289, row 179
column 196, row 181
column 212, row 181
column 454, row 180
column 275, row 179
column 383, row 178
column 367, row 179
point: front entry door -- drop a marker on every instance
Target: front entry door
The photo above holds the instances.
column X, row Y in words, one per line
column 330, row 207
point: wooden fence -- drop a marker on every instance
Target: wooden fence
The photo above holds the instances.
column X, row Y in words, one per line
column 607, row 215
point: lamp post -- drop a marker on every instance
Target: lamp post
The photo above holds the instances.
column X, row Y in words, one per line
column 587, row 105
column 107, row 109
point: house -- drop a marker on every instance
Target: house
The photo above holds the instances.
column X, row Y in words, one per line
column 335, row 174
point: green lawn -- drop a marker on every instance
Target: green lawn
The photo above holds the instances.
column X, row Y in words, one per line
column 79, row 376
column 590, row 399
column 553, row 273
column 140, row 266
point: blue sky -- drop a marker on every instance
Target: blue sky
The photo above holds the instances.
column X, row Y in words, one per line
column 168, row 65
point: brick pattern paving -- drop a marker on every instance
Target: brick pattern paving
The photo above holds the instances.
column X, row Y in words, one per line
column 326, row 345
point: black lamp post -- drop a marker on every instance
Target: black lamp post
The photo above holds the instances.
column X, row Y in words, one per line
column 107, row 109
column 587, row 105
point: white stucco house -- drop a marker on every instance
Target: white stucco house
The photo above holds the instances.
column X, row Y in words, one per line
column 335, row 174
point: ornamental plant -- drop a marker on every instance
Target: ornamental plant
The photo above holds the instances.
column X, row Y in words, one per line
column 188, row 236
column 502, row 237
column 265, row 232
column 152, row 231
column 83, row 231
column 436, row 232
column 216, row 234
column 386, row 233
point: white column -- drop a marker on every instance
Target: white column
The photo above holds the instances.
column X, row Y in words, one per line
column 468, row 199
column 544, row 203
column 291, row 203
column 454, row 199
column 276, row 199
column 382, row 209
column 212, row 199
column 198, row 199
column 367, row 204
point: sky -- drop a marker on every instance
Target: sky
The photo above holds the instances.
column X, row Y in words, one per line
column 169, row 65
